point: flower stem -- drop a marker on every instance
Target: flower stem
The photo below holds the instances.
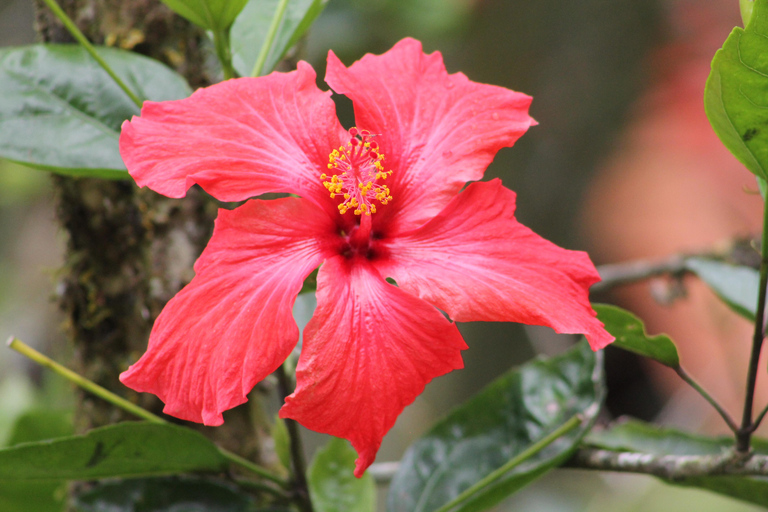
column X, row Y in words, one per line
column 77, row 34
column 532, row 450
column 269, row 40
column 695, row 385
column 90, row 386
column 747, row 427
column 297, row 450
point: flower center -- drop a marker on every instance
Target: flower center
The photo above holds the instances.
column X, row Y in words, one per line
column 355, row 172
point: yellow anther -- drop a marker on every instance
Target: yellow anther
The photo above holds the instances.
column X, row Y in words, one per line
column 356, row 172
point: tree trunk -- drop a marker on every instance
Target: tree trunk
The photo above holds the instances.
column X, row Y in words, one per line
column 130, row 250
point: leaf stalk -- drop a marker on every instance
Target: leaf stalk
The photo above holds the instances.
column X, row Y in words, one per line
column 90, row 386
column 529, row 452
column 80, row 37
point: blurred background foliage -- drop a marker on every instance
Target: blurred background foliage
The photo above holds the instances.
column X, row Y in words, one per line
column 588, row 65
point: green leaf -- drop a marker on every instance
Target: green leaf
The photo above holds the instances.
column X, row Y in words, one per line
column 737, row 286
column 511, row 414
column 637, row 436
column 39, row 424
column 736, row 94
column 630, row 335
column 332, row 484
column 170, row 494
column 125, row 449
column 216, row 15
column 40, row 495
column 59, row 111
column 250, row 30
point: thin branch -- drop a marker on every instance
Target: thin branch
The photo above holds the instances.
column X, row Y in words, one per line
column 618, row 274
column 759, row 419
column 670, row 467
column 747, row 426
column 695, row 385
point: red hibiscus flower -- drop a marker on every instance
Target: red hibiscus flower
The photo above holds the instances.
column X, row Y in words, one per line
column 377, row 202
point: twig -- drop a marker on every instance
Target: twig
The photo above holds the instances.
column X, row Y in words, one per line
column 297, row 450
column 695, row 385
column 618, row 274
column 670, row 467
column 747, row 426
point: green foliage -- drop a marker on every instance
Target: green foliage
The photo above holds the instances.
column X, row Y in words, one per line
column 630, row 335
column 282, row 442
column 61, row 112
column 125, row 449
column 41, row 495
column 737, row 286
column 736, row 94
column 250, row 30
column 215, row 15
column 332, row 484
column 641, row 437
column 511, row 414
column 170, row 494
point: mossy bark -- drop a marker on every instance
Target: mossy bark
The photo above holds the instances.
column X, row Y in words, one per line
column 130, row 250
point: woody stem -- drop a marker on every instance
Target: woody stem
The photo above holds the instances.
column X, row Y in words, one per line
column 297, row 450
column 747, row 426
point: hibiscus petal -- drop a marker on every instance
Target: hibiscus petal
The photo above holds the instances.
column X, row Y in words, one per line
column 368, row 352
column 237, row 139
column 232, row 325
column 477, row 263
column 437, row 131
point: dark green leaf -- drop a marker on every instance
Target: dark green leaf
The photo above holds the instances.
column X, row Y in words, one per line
column 641, row 437
column 41, row 495
column 36, row 425
column 61, row 112
column 630, row 335
column 125, row 449
column 250, row 30
column 736, row 95
column 216, row 15
column 504, row 419
column 169, row 494
column 332, row 484
column 737, row 286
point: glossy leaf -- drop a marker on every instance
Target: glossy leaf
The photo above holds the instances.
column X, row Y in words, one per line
column 125, row 449
column 250, row 29
column 737, row 286
column 637, row 436
column 333, row 487
column 736, row 94
column 512, row 413
column 40, row 495
column 630, row 335
column 216, row 15
column 169, row 494
column 61, row 112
